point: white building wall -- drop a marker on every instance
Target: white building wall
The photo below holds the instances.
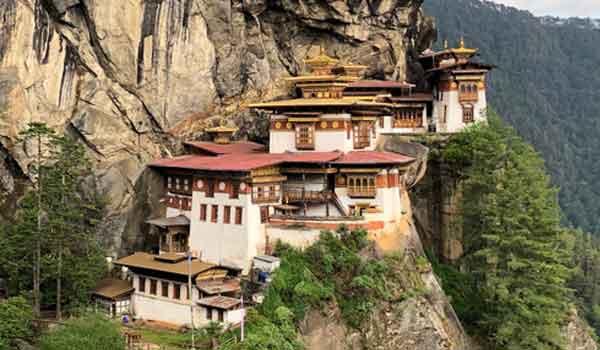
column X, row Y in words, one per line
column 282, row 141
column 229, row 244
column 454, row 118
column 159, row 308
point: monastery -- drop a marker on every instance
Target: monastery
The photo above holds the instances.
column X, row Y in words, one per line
column 229, row 202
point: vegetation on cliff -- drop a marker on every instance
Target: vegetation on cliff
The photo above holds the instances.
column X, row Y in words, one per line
column 52, row 238
column 544, row 86
column 517, row 255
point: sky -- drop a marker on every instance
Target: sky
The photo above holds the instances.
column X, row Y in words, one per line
column 560, row 8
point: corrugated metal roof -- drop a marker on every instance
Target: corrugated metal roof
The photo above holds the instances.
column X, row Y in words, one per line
column 180, row 220
column 373, row 157
column 219, row 286
column 149, row 262
column 230, row 148
column 243, row 162
column 112, row 288
column 220, row 302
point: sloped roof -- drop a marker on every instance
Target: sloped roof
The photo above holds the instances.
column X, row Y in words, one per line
column 112, row 288
column 373, row 157
column 230, row 148
column 180, row 220
column 220, row 302
column 219, row 286
column 380, row 84
column 242, row 161
column 149, row 262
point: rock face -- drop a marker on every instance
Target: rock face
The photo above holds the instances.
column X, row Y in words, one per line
column 417, row 316
column 131, row 78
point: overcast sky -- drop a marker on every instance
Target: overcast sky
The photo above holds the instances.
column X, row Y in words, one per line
column 561, row 8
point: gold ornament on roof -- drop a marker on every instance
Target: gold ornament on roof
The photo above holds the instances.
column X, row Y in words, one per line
column 321, row 60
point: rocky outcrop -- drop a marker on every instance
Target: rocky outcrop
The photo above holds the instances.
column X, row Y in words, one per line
column 417, row 315
column 577, row 334
column 132, row 78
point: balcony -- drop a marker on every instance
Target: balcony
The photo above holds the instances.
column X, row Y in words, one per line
column 302, row 195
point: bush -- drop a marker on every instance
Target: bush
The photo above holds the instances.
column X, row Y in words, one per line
column 16, row 321
column 92, row 332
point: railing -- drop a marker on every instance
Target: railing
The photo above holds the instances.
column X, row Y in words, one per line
column 408, row 123
column 317, row 218
column 301, row 195
column 362, row 192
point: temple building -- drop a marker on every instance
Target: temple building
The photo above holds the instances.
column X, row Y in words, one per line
column 228, row 202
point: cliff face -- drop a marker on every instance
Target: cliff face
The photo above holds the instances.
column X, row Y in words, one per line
column 131, row 78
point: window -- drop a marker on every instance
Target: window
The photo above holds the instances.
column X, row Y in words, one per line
column 187, row 292
column 362, row 135
column 214, row 216
column 176, row 291
column 305, row 136
column 235, row 190
column 468, row 114
column 202, row 212
column 164, row 289
column 264, row 214
column 221, row 316
column 362, row 186
column 468, row 91
column 210, row 188
column 209, row 313
column 226, row 214
column 408, row 118
column 153, row 287
column 238, row 215
column 142, row 285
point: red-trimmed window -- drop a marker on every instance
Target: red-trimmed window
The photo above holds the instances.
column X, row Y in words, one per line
column 226, row 214
column 202, row 212
column 468, row 114
column 238, row 215
column 142, row 285
column 164, row 289
column 153, row 287
column 264, row 214
column 214, row 215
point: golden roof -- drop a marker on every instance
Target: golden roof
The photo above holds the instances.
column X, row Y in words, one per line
column 309, row 102
column 221, row 128
column 321, row 60
column 462, row 49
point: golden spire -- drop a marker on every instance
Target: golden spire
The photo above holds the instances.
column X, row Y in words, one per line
column 462, row 42
column 445, row 43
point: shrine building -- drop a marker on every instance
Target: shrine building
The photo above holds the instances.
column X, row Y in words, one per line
column 227, row 202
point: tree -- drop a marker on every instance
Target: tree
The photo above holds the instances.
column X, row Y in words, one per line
column 40, row 133
column 93, row 332
column 515, row 245
column 17, row 322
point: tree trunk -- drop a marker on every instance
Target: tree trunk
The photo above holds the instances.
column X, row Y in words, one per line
column 59, row 282
column 38, row 247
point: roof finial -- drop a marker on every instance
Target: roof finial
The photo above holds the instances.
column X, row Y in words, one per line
column 462, row 42
column 445, row 43
column 322, row 52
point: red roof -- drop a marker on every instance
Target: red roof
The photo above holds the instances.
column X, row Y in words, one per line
column 380, row 84
column 230, row 148
column 242, row 161
column 373, row 157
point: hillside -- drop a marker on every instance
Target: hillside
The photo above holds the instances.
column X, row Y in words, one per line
column 546, row 87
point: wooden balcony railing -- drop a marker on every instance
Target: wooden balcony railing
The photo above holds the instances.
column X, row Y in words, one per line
column 300, row 195
column 362, row 192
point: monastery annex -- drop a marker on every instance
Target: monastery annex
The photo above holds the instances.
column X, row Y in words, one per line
column 228, row 202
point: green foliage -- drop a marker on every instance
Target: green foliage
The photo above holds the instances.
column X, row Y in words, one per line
column 544, row 86
column 331, row 270
column 68, row 250
column 93, row 332
column 17, row 321
column 515, row 248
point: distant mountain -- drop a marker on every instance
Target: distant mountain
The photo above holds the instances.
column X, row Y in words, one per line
column 547, row 86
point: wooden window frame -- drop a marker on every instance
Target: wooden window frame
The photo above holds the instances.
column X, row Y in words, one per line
column 209, row 313
column 305, row 141
column 468, row 112
column 239, row 215
column 362, row 134
column 362, row 186
column 209, row 188
column 176, row 291
column 164, row 289
column 264, row 214
column 227, row 214
column 409, row 118
column 214, row 213
column 142, row 284
column 153, row 286
column 221, row 315
column 203, row 210
column 468, row 91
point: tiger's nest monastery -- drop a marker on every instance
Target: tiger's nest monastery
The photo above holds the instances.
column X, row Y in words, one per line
column 229, row 202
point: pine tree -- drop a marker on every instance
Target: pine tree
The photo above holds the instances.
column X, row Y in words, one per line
column 515, row 245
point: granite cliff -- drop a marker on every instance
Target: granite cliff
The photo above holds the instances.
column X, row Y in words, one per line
column 132, row 78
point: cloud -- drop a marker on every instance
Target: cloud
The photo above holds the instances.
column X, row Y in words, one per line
column 561, row 8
